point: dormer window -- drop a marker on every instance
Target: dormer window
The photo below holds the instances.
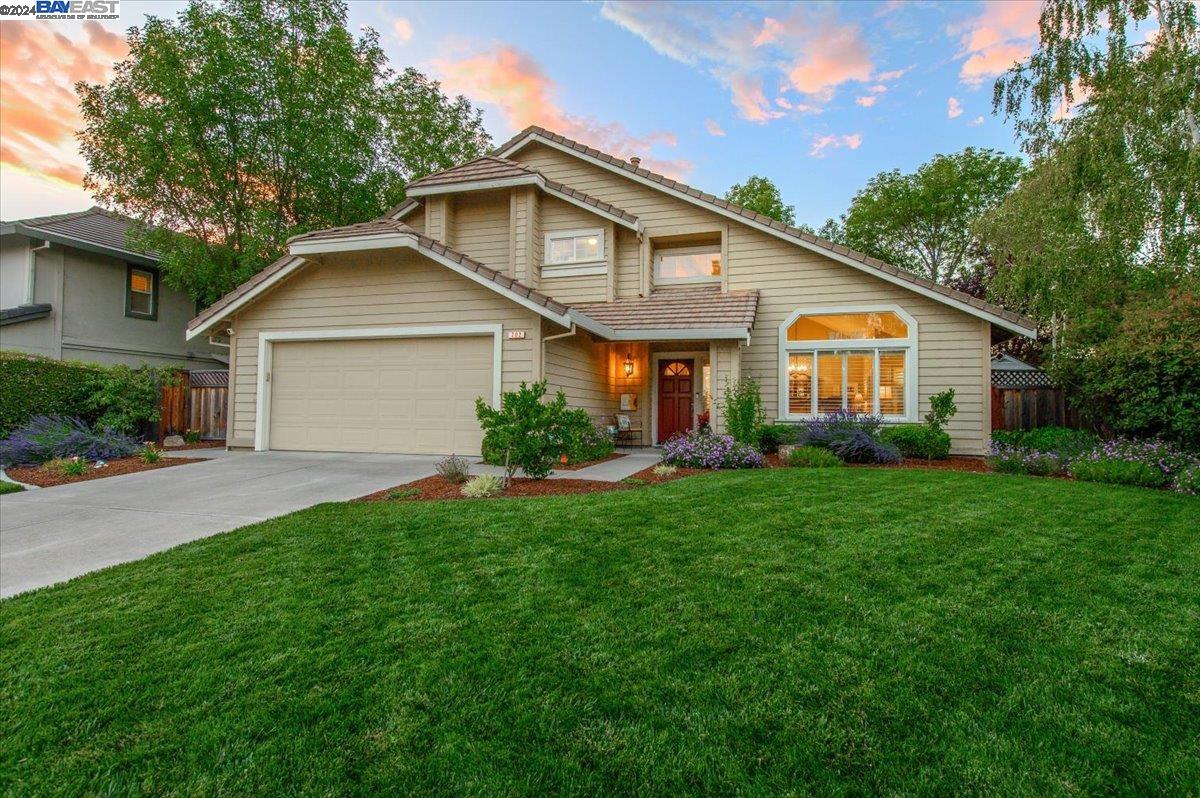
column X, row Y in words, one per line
column 687, row 265
column 574, row 246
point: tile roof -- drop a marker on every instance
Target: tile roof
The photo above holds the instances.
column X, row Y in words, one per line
column 376, row 227
column 791, row 232
column 486, row 168
column 587, row 199
column 693, row 308
column 95, row 226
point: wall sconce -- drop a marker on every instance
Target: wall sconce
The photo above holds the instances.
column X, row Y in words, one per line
column 628, row 364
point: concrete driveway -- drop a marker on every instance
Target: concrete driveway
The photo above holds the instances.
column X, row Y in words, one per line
column 53, row 534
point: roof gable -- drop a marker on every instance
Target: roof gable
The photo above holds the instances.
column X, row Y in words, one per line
column 95, row 230
column 964, row 302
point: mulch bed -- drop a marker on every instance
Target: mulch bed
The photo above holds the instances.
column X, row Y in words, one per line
column 200, row 445
column 648, row 476
column 47, row 478
column 438, row 488
column 586, row 463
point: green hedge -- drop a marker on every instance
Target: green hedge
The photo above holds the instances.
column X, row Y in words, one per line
column 32, row 386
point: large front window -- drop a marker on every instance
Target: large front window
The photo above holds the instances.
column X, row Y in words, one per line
column 688, row 265
column 854, row 361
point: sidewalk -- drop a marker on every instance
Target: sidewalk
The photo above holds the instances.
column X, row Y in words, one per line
column 613, row 470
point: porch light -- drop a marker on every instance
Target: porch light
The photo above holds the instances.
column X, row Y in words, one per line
column 628, row 364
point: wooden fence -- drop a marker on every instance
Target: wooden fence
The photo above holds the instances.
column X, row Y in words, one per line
column 1026, row 408
column 197, row 402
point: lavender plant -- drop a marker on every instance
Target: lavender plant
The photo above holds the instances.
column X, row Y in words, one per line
column 45, row 438
column 853, row 437
column 706, row 450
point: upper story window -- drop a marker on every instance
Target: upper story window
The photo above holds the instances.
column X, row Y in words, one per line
column 688, row 265
column 574, row 246
column 141, row 293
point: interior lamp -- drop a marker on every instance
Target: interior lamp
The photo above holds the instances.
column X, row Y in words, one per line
column 628, row 364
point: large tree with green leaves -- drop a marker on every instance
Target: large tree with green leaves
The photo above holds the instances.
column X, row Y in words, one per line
column 235, row 126
column 761, row 195
column 921, row 221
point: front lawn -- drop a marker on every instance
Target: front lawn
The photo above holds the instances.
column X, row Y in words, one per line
column 791, row 630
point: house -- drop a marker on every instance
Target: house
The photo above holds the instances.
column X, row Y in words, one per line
column 622, row 288
column 71, row 288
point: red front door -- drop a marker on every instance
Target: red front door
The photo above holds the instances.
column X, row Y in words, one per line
column 675, row 379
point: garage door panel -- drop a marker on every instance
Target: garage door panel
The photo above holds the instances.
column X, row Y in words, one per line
column 414, row 395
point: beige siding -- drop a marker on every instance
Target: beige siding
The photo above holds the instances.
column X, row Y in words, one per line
column 788, row 277
column 415, row 219
column 574, row 290
column 628, row 263
column 374, row 289
column 481, row 228
column 558, row 216
column 578, row 366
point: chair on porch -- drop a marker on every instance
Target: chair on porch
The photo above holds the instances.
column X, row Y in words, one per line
column 627, row 430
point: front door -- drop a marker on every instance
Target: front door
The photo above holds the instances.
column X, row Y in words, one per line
column 675, row 381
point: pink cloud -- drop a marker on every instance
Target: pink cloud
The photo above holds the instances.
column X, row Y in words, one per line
column 953, row 108
column 403, row 29
column 516, row 84
column 1003, row 34
column 894, row 74
column 830, row 141
column 39, row 67
column 867, row 101
column 749, row 100
column 713, row 128
column 976, row 122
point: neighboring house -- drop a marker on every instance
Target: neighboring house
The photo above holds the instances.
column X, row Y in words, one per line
column 620, row 287
column 71, row 289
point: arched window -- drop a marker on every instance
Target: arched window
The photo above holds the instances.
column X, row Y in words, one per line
column 677, row 369
column 860, row 359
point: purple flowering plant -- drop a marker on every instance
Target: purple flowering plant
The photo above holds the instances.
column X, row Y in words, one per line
column 704, row 449
column 854, row 437
column 45, row 438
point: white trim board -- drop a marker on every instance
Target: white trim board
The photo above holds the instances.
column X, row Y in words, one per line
column 717, row 209
column 267, row 339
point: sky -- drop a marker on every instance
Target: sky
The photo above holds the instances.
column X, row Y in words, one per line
column 817, row 96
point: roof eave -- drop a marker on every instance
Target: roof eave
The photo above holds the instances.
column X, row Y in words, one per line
column 659, row 334
column 17, row 228
column 474, row 185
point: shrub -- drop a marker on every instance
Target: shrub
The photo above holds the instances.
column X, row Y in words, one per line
column 918, row 440
column 707, row 450
column 518, row 435
column 37, row 386
column 454, row 469
column 772, row 436
column 1066, row 443
column 127, row 399
column 852, row 437
column 483, row 486
column 1006, row 459
column 941, row 409
column 1043, row 464
column 191, row 436
column 812, row 457
column 743, row 411
column 574, row 435
column 1118, row 472
column 1188, row 481
column 44, row 438
column 150, row 453
column 664, row 470
column 67, row 466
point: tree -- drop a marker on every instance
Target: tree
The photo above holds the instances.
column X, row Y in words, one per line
column 760, row 195
column 922, row 221
column 1110, row 210
column 236, row 126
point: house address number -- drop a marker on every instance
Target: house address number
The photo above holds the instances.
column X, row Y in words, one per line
column 516, row 335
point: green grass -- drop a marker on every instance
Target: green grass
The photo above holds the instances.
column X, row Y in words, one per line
column 791, row 631
column 10, row 487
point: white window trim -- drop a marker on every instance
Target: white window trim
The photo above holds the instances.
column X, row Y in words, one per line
column 697, row 250
column 266, row 340
column 556, row 234
column 907, row 345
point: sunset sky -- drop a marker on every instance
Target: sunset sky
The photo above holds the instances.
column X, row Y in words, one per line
column 818, row 97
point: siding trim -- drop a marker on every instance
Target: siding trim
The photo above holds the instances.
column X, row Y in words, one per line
column 262, row 399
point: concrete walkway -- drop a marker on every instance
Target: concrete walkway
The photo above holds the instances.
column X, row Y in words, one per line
column 52, row 534
column 614, row 470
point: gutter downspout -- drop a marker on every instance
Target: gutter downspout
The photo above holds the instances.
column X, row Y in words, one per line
column 31, row 271
column 567, row 334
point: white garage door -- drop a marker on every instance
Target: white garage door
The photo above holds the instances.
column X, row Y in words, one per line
column 403, row 395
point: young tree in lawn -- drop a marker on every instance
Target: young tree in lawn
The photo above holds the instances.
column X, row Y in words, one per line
column 244, row 123
column 761, row 195
column 922, row 221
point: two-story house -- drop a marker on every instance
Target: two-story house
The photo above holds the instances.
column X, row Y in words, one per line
column 632, row 293
column 72, row 288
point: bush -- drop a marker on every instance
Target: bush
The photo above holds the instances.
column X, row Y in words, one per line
column 852, row 437
column 47, row 437
column 67, row 466
column 1014, row 460
column 519, row 434
column 454, row 469
column 1043, row 464
column 574, row 435
column 1064, row 442
column 941, row 409
column 126, row 399
column 772, row 436
column 812, row 457
column 743, row 411
column 1006, row 459
column 37, row 386
column 1187, row 481
column 483, row 486
column 1118, row 472
column 664, row 470
column 707, row 450
column 150, row 453
column 918, row 440
column 191, row 436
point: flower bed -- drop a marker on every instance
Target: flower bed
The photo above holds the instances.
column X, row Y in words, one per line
column 44, row 477
column 438, row 488
column 709, row 450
